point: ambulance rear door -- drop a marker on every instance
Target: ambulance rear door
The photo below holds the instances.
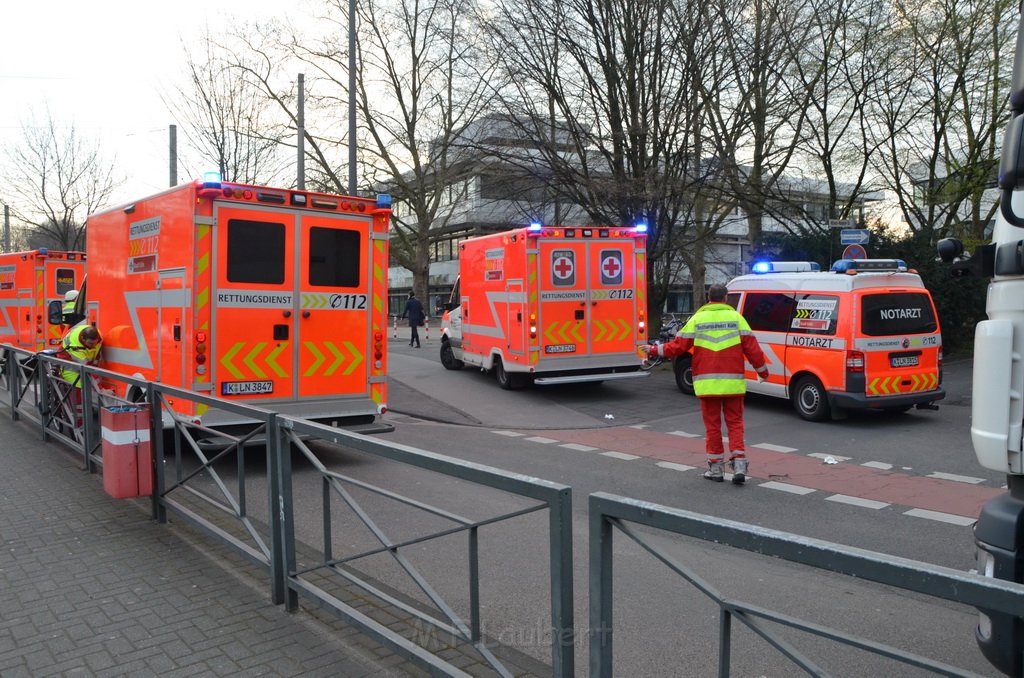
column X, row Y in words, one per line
column 612, row 285
column 813, row 344
column 898, row 332
column 587, row 295
column 62, row 276
column 563, row 321
column 333, row 329
column 254, row 324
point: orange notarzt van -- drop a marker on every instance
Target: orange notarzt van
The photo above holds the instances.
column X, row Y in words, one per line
column 269, row 296
column 864, row 336
column 29, row 283
column 549, row 305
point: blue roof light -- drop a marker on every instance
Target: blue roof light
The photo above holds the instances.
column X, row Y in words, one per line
column 762, row 267
column 211, row 179
column 535, row 226
column 641, row 227
column 384, row 201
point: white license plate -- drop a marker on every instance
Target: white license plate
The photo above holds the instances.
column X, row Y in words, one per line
column 246, row 387
column 560, row 348
column 904, row 361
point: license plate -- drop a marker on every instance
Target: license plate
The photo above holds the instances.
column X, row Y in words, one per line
column 560, row 348
column 246, row 387
column 904, row 361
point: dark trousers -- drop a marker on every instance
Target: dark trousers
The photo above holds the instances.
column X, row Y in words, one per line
column 414, row 337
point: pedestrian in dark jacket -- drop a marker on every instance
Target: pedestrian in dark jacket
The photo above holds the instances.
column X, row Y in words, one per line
column 414, row 311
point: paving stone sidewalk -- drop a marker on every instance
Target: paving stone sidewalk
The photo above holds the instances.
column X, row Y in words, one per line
column 91, row 586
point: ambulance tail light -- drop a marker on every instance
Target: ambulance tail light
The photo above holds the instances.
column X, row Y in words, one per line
column 854, row 361
column 533, row 326
column 200, row 348
column 378, row 347
column 641, row 326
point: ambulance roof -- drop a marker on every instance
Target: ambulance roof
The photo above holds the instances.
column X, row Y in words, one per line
column 824, row 282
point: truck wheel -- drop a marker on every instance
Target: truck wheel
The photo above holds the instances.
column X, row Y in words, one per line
column 507, row 381
column 448, row 358
column 684, row 373
column 810, row 400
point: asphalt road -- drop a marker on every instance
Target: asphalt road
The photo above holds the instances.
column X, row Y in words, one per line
column 905, row 485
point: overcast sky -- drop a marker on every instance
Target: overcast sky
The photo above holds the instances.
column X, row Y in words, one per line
column 102, row 64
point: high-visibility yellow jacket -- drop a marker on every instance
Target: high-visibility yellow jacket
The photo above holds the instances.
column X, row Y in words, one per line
column 719, row 339
column 78, row 353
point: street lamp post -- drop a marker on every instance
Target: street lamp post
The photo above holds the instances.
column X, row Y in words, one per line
column 351, row 97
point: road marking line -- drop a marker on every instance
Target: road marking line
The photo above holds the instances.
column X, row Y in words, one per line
column 774, row 448
column 941, row 517
column 857, row 501
column 510, row 434
column 620, row 455
column 675, row 467
column 540, row 439
column 785, row 487
column 823, row 456
column 878, row 464
column 577, row 446
column 684, row 434
column 638, row 426
column 956, row 478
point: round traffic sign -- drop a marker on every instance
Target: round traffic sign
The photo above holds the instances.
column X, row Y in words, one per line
column 855, row 252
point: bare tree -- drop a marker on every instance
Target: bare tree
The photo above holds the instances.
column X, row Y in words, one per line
column 229, row 121
column 56, row 179
column 609, row 90
column 941, row 135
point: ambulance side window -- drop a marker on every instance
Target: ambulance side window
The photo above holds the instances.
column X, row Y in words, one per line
column 733, row 299
column 768, row 311
column 255, row 252
column 815, row 314
column 334, row 257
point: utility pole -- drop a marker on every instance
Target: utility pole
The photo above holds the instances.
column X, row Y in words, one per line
column 301, row 141
column 7, row 228
column 351, row 97
column 173, row 161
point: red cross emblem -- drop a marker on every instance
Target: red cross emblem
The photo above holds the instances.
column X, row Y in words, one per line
column 563, row 268
column 611, row 267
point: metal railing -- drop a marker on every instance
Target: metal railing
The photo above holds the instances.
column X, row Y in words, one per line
column 205, row 477
column 608, row 513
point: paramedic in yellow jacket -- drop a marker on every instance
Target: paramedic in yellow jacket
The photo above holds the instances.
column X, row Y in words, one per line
column 719, row 339
column 82, row 344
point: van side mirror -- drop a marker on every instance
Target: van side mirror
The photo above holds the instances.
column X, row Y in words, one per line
column 1011, row 169
column 54, row 315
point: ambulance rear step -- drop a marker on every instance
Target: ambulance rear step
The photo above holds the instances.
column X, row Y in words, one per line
column 580, row 378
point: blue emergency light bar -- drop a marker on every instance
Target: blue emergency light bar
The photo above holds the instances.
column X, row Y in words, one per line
column 641, row 227
column 535, row 227
column 211, row 179
column 384, row 201
column 874, row 265
column 784, row 267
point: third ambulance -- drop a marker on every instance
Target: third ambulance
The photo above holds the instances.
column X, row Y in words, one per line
column 863, row 336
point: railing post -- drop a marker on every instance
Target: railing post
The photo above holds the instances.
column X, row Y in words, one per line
column 600, row 592
column 85, row 379
column 283, row 518
column 724, row 641
column 43, row 386
column 14, row 382
column 563, row 643
column 156, row 418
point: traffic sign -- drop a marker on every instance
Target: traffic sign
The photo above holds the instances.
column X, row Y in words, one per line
column 854, row 236
column 841, row 223
column 855, row 252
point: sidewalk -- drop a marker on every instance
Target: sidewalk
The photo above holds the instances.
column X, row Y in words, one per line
column 91, row 586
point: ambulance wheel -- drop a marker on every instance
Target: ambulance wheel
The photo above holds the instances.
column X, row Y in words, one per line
column 809, row 399
column 684, row 373
column 448, row 358
column 506, row 380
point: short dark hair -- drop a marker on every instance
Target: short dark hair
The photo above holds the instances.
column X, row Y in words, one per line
column 411, row 293
column 717, row 292
column 89, row 333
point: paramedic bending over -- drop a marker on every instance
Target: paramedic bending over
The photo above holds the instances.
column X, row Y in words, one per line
column 82, row 344
column 719, row 338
